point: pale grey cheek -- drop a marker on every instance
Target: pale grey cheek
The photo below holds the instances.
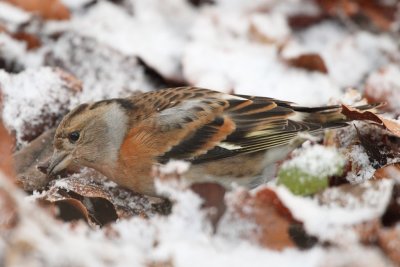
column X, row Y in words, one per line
column 116, row 122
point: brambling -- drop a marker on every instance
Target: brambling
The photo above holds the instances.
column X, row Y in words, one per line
column 226, row 137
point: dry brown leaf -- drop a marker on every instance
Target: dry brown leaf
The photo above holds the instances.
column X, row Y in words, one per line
column 213, row 200
column 6, row 147
column 310, row 62
column 87, row 201
column 99, row 204
column 28, row 158
column 392, row 213
column 32, row 41
column 355, row 114
column 8, row 211
column 334, row 7
column 73, row 83
column 382, row 15
column 389, row 241
column 300, row 21
column 47, row 9
column 390, row 171
column 71, row 209
column 368, row 231
column 271, row 217
column 377, row 157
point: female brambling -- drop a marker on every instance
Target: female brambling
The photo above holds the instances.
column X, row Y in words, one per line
column 227, row 138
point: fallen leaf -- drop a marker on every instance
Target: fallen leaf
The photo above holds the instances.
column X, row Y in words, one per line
column 389, row 171
column 73, row 205
column 32, row 41
column 299, row 235
column 212, row 195
column 71, row 209
column 47, row 9
column 377, row 157
column 368, row 231
column 85, row 196
column 389, row 241
column 301, row 21
column 310, row 62
column 72, row 83
column 381, row 14
column 6, row 147
column 392, row 213
column 271, row 217
column 355, row 114
column 8, row 211
column 28, row 158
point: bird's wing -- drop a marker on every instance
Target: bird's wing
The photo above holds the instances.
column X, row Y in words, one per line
column 167, row 118
column 200, row 125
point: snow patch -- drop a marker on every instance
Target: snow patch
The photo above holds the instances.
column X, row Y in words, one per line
column 31, row 98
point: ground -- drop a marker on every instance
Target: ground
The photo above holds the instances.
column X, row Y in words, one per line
column 332, row 202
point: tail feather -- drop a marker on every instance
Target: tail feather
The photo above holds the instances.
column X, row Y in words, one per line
column 332, row 115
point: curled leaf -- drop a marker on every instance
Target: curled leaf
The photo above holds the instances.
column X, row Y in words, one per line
column 310, row 62
column 272, row 219
column 355, row 114
column 6, row 147
column 213, row 200
column 8, row 211
column 391, row 171
column 389, row 241
column 47, row 9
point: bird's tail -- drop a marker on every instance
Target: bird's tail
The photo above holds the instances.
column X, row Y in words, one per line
column 332, row 116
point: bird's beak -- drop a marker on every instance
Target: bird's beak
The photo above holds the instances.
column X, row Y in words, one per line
column 58, row 162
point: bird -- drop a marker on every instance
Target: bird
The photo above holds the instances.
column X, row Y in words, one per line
column 226, row 138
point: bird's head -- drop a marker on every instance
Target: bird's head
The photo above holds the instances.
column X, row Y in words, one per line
column 90, row 135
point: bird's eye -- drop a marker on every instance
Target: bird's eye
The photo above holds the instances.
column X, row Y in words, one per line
column 73, row 137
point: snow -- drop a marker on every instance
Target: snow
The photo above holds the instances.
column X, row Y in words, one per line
column 233, row 45
column 182, row 237
column 12, row 50
column 12, row 16
column 155, row 42
column 385, row 84
column 273, row 27
column 32, row 98
column 75, row 4
column 339, row 47
column 222, row 48
column 334, row 223
column 105, row 73
column 316, row 160
column 362, row 169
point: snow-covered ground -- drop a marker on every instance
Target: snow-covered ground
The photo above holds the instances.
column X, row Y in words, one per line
column 109, row 49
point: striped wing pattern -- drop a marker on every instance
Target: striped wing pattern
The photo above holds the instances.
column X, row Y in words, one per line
column 243, row 124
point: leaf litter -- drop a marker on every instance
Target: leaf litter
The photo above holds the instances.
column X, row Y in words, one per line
column 298, row 51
